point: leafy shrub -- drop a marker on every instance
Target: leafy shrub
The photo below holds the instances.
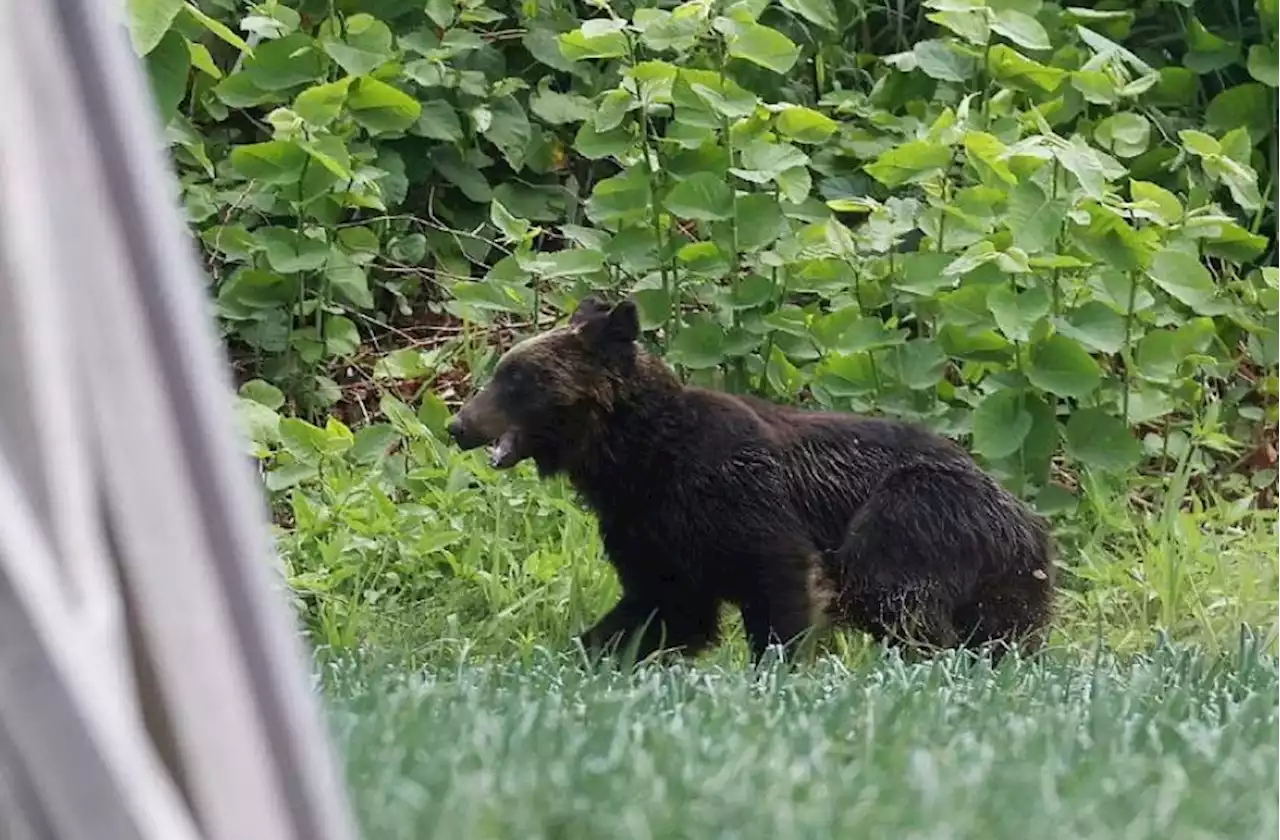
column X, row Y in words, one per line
column 1044, row 230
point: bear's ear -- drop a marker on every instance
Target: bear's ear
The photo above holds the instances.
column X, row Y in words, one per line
column 589, row 308
column 611, row 327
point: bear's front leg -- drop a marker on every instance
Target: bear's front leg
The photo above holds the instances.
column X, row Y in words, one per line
column 684, row 625
column 788, row 601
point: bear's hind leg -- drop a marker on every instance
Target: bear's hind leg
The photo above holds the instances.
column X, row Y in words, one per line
column 790, row 601
column 913, row 554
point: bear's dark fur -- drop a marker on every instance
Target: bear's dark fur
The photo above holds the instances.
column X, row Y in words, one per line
column 794, row 516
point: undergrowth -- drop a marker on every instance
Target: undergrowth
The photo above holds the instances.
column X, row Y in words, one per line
column 430, row 552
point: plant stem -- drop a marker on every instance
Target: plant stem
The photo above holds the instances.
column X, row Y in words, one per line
column 1127, row 358
column 740, row 363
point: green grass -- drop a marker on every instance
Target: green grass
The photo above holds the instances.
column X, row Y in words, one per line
column 438, row 556
column 467, row 715
column 1166, row 746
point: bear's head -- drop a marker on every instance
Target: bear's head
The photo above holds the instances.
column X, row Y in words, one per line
column 550, row 392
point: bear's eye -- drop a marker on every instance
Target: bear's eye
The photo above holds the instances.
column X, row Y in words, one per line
column 517, row 375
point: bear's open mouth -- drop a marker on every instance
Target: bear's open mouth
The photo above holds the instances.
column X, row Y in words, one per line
column 505, row 453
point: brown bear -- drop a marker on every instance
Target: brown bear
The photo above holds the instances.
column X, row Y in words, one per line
column 796, row 517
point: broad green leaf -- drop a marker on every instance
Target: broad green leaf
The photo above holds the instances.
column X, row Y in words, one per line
column 555, row 108
column 232, row 241
column 919, row 363
column 1155, row 202
column 218, row 28
column 380, row 107
column 1096, row 326
column 341, row 337
column 804, row 125
column 372, row 442
column 543, row 43
column 1016, row 313
column 864, row 334
column 1199, row 143
column 1232, row 242
column 291, row 61
column 238, row 91
column 1061, row 366
column 1184, row 277
column 922, row 273
column 321, row 105
column 1240, row 180
column 510, row 130
column 752, row 291
column 262, row 392
column 1034, row 219
column 1160, row 353
column 820, row 12
column 289, row 251
column 1125, row 134
column 202, row 59
column 1081, row 161
column 442, row 12
column 592, row 42
column 704, row 259
column 620, row 199
column 612, row 110
column 1270, row 11
column 1008, row 65
column 367, row 46
column 1244, row 106
column 149, row 20
column 703, row 196
column 575, row 262
column 1147, row 404
column 1109, row 239
column 974, row 25
column 439, row 121
column 1208, row 52
column 168, row 66
column 759, row 221
column 766, row 47
column 250, row 289
column 938, row 59
column 594, row 145
column 662, row 31
column 987, row 153
column 348, row 279
column 700, row 344
column 909, row 162
column 1101, row 441
column 795, row 184
column 512, row 227
column 1000, row 424
column 272, row 162
column 976, row 345
column 1264, row 64
column 1096, row 86
column 769, row 159
column 1021, row 28
column 404, row 363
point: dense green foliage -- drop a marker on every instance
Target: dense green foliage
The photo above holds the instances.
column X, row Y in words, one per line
column 1173, row 747
column 1044, row 230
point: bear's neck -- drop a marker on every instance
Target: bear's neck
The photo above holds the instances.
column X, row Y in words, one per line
column 626, row 458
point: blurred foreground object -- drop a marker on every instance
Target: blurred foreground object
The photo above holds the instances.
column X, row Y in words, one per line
column 151, row 684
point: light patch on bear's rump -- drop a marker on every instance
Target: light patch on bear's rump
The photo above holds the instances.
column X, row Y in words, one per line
column 822, row 594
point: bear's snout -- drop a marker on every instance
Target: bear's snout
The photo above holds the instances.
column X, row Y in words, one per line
column 461, row 435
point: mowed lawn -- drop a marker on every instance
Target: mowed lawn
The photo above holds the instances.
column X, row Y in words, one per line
column 1167, row 746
